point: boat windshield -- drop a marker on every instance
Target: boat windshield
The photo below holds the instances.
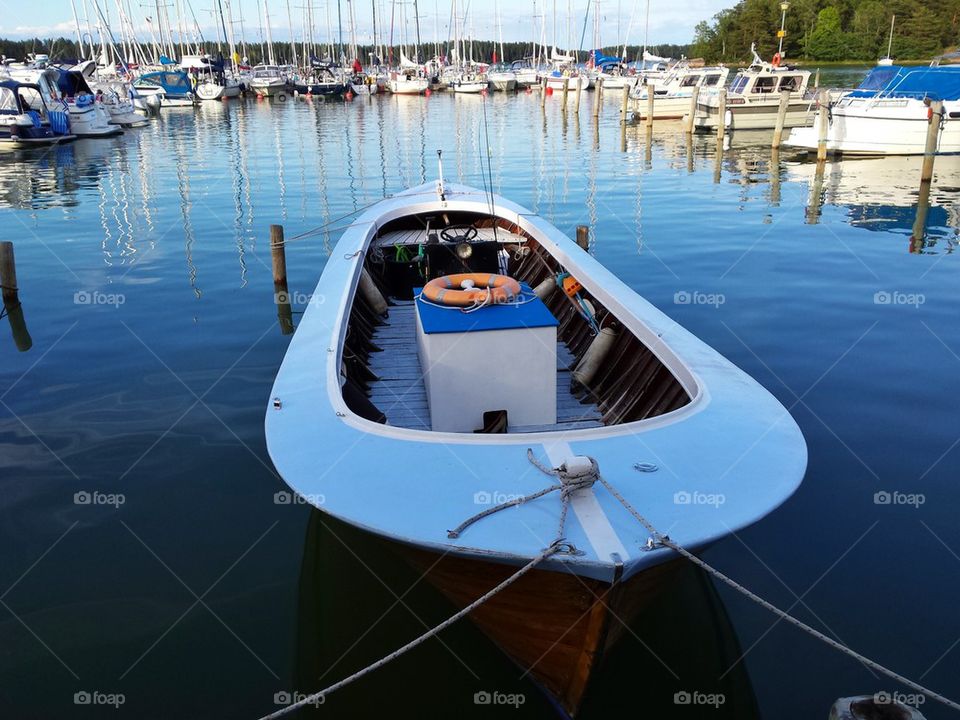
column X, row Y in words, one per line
column 739, row 83
column 8, row 102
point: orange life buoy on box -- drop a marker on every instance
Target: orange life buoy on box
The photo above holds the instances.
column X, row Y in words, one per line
column 466, row 289
column 776, row 60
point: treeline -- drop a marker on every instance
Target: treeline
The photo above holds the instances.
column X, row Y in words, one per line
column 62, row 49
column 831, row 29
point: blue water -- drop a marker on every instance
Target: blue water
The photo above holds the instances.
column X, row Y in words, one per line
column 189, row 588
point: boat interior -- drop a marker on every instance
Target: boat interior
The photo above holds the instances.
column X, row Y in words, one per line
column 386, row 378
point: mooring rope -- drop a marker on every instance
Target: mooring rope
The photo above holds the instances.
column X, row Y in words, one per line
column 782, row 614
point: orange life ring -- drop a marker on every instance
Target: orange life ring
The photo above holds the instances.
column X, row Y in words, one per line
column 487, row 288
column 776, row 60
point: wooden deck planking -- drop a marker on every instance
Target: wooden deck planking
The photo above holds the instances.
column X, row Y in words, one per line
column 400, row 392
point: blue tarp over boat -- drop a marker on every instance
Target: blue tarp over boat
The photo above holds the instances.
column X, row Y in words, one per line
column 936, row 83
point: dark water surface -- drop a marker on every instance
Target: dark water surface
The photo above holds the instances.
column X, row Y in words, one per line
column 188, row 586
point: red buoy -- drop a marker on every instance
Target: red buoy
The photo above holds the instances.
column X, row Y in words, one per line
column 427, row 92
column 484, row 92
column 349, row 95
column 549, row 90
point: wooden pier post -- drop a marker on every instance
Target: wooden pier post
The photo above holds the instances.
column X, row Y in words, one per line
column 815, row 203
column 8, row 275
column 722, row 115
column 566, row 91
column 692, row 116
column 598, row 97
column 576, row 97
column 816, row 80
column 822, row 124
column 583, row 237
column 935, row 117
column 650, row 99
column 281, row 294
column 543, row 92
column 623, row 104
column 775, row 176
column 781, row 118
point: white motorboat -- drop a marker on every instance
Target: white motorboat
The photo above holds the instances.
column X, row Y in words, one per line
column 889, row 114
column 753, row 99
column 69, row 92
column 407, row 82
column 463, row 438
column 502, row 80
column 268, row 81
column 672, row 94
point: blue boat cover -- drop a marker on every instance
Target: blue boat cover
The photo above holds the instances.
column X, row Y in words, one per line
column 531, row 313
column 601, row 60
column 936, row 83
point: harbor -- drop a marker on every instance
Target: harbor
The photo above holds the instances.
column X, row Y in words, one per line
column 644, row 372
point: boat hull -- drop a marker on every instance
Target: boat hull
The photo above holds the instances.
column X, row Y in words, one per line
column 409, row 87
column 755, row 115
column 884, row 127
column 555, row 626
column 469, row 87
column 664, row 108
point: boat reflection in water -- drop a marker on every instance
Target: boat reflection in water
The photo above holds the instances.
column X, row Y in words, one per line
column 359, row 600
column 885, row 194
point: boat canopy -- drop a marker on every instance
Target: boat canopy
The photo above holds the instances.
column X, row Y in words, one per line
column 72, row 83
column 172, row 81
column 600, row 60
column 936, row 83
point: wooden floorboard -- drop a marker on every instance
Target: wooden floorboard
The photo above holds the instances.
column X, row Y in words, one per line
column 400, row 392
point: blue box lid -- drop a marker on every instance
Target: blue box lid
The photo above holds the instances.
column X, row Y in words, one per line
column 530, row 313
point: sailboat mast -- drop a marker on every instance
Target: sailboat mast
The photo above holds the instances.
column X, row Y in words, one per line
column 646, row 31
column 893, row 21
column 266, row 21
column 293, row 43
column 416, row 20
column 76, row 21
column 339, row 33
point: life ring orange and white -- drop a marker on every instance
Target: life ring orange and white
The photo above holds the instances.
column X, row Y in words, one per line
column 466, row 289
column 776, row 60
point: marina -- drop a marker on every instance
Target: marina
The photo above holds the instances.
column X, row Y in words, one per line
column 308, row 362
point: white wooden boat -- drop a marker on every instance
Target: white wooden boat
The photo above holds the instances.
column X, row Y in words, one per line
column 268, row 81
column 502, row 80
column 753, row 99
column 407, row 83
column 468, row 84
column 407, row 419
column 672, row 94
column 889, row 114
column 557, row 79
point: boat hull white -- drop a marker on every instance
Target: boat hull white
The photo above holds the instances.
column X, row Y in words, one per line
column 760, row 115
column 866, row 126
column 415, row 86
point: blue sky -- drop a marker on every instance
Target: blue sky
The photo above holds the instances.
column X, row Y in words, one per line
column 670, row 22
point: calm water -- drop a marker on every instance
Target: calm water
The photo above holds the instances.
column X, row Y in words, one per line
column 184, row 586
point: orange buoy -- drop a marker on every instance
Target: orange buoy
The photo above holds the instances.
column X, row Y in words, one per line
column 427, row 92
column 466, row 289
column 349, row 95
column 776, row 60
column 549, row 90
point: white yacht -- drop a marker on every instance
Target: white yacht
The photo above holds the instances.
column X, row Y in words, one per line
column 672, row 94
column 889, row 114
column 753, row 99
column 268, row 81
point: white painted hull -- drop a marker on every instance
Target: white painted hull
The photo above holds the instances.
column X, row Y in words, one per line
column 502, row 82
column 526, row 78
column 215, row 91
column 895, row 126
column 268, row 89
column 557, row 83
column 409, row 87
column 469, row 87
column 618, row 82
column 364, row 89
column 760, row 115
column 664, row 107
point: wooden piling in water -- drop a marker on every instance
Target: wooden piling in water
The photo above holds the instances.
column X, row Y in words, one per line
column 935, row 114
column 8, row 275
column 543, row 92
column 576, row 97
column 598, row 97
column 691, row 117
column 722, row 115
column 650, row 99
column 822, row 124
column 623, row 104
column 583, row 237
column 281, row 294
column 781, row 118
column 566, row 91
column 816, row 80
